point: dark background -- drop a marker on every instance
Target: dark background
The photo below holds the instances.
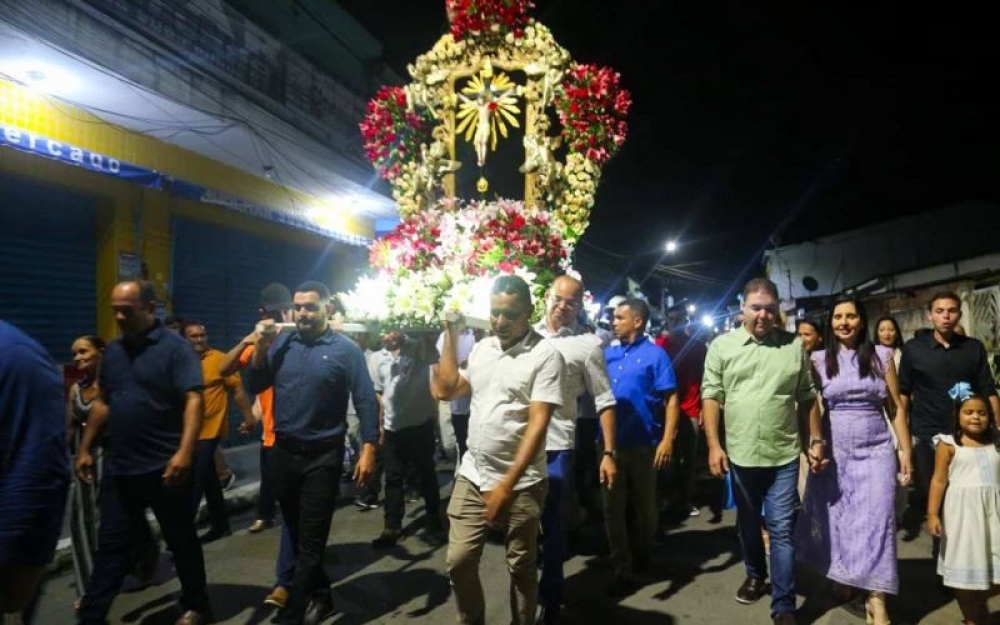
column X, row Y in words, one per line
column 757, row 124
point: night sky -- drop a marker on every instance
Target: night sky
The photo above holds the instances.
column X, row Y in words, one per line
column 754, row 125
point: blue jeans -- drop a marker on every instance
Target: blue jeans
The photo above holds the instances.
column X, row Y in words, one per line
column 775, row 487
column 555, row 528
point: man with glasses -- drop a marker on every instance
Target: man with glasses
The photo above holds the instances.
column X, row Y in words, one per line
column 584, row 370
column 762, row 375
column 314, row 371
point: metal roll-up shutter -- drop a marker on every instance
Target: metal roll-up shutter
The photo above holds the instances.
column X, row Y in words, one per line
column 48, row 258
column 219, row 273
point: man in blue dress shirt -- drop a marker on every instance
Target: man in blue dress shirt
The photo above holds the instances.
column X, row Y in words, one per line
column 643, row 382
column 313, row 371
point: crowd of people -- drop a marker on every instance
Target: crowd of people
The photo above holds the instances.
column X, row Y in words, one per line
column 816, row 433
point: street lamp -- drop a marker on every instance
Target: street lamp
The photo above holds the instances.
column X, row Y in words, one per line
column 671, row 246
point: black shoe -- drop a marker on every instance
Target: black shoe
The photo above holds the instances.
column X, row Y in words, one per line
column 214, row 535
column 621, row 586
column 319, row 609
column 751, row 591
column 783, row 618
column 366, row 504
column 388, row 538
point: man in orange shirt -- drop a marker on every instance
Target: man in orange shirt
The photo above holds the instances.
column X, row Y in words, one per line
column 275, row 304
column 218, row 389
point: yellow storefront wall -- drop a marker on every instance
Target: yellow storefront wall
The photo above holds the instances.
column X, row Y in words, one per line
column 132, row 218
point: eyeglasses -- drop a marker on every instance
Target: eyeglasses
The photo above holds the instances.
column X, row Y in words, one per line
column 310, row 307
column 568, row 303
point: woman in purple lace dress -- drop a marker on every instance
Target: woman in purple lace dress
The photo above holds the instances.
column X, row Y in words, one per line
column 847, row 526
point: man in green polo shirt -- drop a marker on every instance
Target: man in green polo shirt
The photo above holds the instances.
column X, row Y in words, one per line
column 762, row 376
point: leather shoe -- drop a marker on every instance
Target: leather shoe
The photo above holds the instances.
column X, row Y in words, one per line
column 751, row 591
column 320, row 608
column 783, row 618
column 191, row 617
column 260, row 525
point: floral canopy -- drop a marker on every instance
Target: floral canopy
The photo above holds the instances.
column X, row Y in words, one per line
column 496, row 72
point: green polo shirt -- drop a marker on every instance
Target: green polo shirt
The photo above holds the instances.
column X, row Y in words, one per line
column 759, row 384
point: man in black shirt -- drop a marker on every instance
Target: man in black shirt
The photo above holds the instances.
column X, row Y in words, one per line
column 150, row 398
column 313, row 371
column 932, row 363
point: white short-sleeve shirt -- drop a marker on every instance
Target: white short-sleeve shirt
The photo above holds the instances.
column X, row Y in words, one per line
column 584, row 370
column 504, row 383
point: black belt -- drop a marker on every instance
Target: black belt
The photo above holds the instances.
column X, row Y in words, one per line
column 294, row 446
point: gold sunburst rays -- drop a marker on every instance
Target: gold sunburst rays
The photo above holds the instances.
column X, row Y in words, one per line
column 487, row 106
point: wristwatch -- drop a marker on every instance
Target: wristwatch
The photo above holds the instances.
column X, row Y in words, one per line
column 613, row 454
column 817, row 441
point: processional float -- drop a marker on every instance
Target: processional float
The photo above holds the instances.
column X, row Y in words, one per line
column 448, row 142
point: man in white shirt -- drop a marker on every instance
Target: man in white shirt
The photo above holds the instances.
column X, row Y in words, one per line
column 585, row 370
column 515, row 378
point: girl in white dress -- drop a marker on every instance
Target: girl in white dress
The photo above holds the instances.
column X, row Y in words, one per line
column 967, row 478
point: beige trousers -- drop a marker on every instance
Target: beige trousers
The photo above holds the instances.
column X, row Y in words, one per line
column 520, row 524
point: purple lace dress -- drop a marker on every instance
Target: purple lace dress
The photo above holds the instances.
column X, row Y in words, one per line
column 847, row 525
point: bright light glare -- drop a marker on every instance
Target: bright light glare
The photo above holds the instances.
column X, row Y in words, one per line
column 40, row 76
column 691, row 309
column 707, row 321
column 671, row 247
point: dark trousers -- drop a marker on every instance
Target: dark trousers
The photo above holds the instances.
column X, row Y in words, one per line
column 123, row 503
column 307, row 483
column 923, row 469
column 460, row 423
column 587, row 479
column 205, row 480
column 284, row 568
column 555, row 528
column 410, row 450
column 267, row 502
column 686, row 460
column 369, row 493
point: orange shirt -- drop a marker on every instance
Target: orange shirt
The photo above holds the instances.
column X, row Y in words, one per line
column 266, row 399
column 216, row 395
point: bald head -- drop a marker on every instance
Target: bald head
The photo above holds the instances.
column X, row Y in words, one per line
column 134, row 306
column 564, row 303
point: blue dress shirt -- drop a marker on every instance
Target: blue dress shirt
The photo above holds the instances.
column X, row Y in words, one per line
column 312, row 382
column 641, row 376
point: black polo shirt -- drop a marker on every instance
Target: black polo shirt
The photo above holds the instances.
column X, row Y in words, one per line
column 928, row 370
column 144, row 381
